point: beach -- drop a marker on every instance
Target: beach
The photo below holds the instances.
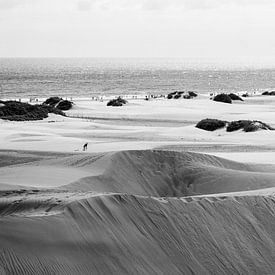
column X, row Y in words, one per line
column 152, row 194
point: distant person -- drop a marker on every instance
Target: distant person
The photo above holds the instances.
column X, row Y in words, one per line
column 85, row 146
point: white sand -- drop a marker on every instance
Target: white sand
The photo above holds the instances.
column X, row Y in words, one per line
column 65, row 211
column 138, row 125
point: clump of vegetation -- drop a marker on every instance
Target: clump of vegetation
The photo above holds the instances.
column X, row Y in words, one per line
column 268, row 93
column 237, row 125
column 257, row 125
column 223, row 98
column 58, row 103
column 192, row 94
column 52, row 101
column 18, row 111
column 171, row 95
column 248, row 126
column 211, row 124
column 235, row 97
column 179, row 94
column 117, row 102
column 64, row 105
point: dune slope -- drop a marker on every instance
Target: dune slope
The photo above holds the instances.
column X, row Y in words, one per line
column 169, row 174
column 125, row 234
column 139, row 212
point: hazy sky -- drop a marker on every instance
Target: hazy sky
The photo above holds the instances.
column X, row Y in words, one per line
column 223, row 29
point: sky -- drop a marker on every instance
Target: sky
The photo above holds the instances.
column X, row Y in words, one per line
column 236, row 30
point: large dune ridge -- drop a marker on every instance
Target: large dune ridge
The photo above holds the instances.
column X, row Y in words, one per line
column 135, row 212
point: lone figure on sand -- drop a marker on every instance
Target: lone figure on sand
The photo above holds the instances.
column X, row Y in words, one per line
column 85, row 146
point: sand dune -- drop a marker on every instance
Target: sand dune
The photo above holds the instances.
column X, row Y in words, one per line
column 145, row 172
column 169, row 174
column 126, row 234
column 136, row 212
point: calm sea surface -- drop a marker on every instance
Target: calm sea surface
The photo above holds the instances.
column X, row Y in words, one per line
column 23, row 77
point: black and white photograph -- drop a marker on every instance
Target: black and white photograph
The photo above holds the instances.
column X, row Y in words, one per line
column 137, row 137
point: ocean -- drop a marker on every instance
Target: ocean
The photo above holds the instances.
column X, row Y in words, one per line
column 86, row 77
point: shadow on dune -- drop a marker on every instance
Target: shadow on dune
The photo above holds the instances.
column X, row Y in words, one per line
column 136, row 230
column 175, row 174
column 125, row 234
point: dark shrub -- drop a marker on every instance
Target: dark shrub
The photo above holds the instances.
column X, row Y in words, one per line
column 245, row 95
column 223, row 98
column 251, row 127
column 268, row 93
column 59, row 103
column 52, row 101
column 53, row 110
column 257, row 125
column 177, row 96
column 247, row 126
column 171, row 95
column 211, row 124
column 114, row 103
column 235, row 97
column 192, row 94
column 64, row 105
column 18, row 111
column 237, row 125
column 117, row 102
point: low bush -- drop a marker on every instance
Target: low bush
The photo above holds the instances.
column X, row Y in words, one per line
column 52, row 101
column 192, row 94
column 117, row 102
column 247, row 126
column 211, row 124
column 256, row 125
column 177, row 96
column 237, row 125
column 223, row 98
column 18, row 111
column 64, row 105
column 268, row 93
column 59, row 103
column 235, row 97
